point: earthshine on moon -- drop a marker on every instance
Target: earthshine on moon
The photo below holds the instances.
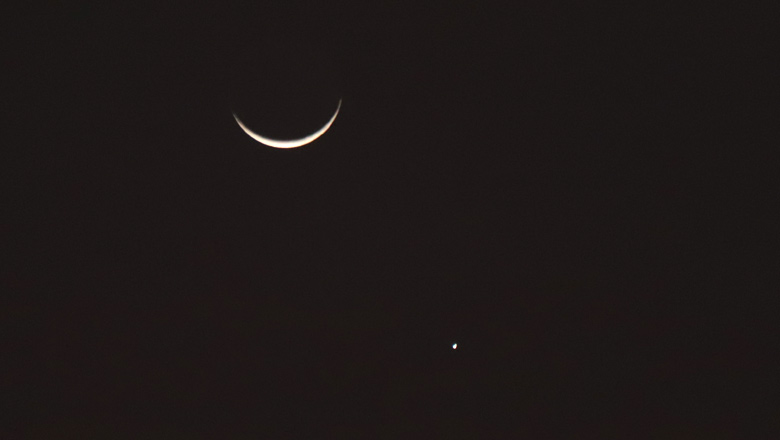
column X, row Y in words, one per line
column 293, row 143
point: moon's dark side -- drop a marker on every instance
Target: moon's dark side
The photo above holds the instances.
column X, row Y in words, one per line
column 284, row 89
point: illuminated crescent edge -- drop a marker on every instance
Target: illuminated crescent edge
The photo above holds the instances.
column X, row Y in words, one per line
column 276, row 143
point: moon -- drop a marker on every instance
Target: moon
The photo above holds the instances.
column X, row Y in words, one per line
column 293, row 143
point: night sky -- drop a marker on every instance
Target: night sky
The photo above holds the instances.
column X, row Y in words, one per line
column 579, row 196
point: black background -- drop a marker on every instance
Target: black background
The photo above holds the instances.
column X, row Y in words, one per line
column 578, row 195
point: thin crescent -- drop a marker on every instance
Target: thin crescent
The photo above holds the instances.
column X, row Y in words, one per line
column 276, row 143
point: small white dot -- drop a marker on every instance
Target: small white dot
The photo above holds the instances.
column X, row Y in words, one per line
column 454, row 346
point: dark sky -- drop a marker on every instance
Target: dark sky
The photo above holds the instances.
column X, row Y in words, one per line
column 578, row 195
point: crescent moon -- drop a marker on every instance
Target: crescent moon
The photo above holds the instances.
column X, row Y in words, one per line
column 293, row 143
